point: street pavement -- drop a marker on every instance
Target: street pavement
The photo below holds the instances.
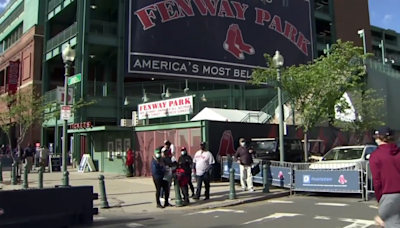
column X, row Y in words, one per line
column 137, row 195
column 287, row 212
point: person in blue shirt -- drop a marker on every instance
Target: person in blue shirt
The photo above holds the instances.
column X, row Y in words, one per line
column 158, row 171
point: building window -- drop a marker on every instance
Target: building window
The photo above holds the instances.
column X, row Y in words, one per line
column 13, row 37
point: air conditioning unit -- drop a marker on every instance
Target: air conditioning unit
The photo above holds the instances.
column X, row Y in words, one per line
column 135, row 118
column 126, row 123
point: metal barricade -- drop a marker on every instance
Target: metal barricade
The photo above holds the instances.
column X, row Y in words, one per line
column 343, row 177
column 279, row 174
column 368, row 183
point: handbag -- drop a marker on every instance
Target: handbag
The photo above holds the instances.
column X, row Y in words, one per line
column 255, row 170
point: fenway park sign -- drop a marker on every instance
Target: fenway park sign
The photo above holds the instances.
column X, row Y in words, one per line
column 220, row 40
column 164, row 108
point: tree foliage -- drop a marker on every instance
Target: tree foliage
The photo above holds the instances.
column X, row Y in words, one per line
column 362, row 114
column 26, row 109
column 316, row 87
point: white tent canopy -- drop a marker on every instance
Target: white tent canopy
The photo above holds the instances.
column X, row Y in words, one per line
column 225, row 115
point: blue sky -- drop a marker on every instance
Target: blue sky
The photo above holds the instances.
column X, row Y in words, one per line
column 3, row 3
column 383, row 14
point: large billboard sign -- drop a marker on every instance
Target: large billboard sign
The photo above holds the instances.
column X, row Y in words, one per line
column 215, row 39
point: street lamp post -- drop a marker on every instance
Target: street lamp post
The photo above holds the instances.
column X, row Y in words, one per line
column 382, row 47
column 68, row 55
column 278, row 62
column 362, row 35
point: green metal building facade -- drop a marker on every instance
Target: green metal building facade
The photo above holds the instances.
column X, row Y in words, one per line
column 96, row 29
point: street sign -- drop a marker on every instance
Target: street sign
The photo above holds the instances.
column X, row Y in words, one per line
column 65, row 112
column 74, row 79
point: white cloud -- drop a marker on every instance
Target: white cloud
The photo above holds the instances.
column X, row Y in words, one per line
column 387, row 19
column 4, row 3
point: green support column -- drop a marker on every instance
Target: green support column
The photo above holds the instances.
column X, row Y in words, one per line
column 120, row 60
column 107, row 79
column 81, row 66
column 45, row 67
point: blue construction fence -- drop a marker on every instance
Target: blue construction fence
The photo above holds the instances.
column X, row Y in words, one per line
column 325, row 176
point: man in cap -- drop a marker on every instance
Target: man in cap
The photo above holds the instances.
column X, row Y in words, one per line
column 244, row 157
column 203, row 161
column 186, row 163
column 385, row 168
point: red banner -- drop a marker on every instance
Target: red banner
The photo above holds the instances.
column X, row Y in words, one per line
column 13, row 77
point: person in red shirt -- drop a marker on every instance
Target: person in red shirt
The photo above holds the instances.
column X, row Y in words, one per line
column 130, row 162
column 385, row 168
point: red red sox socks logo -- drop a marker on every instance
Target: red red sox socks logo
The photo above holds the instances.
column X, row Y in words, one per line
column 342, row 180
column 234, row 43
column 226, row 146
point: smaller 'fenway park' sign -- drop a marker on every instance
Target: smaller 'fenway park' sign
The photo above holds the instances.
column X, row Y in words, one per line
column 164, row 108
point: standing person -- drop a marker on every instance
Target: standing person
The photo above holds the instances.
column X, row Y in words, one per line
column 130, row 161
column 170, row 165
column 186, row 162
column 28, row 157
column 245, row 159
column 44, row 157
column 37, row 156
column 385, row 168
column 171, row 147
column 158, row 172
column 203, row 161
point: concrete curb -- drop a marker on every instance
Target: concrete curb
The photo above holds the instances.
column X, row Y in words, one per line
column 250, row 200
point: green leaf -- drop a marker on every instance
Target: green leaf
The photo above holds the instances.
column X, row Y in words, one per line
column 316, row 87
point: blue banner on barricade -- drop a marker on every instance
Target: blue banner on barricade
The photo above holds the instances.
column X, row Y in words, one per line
column 280, row 176
column 228, row 166
column 327, row 181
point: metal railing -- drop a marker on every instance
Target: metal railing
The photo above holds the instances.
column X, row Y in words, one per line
column 387, row 69
column 369, row 186
column 53, row 4
column 62, row 37
column 268, row 111
column 50, row 96
column 343, row 177
column 12, row 17
column 103, row 28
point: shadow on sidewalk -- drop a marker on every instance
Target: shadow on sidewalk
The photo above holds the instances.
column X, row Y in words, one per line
column 130, row 193
column 135, row 204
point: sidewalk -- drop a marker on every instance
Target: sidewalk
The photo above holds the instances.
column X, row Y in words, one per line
column 137, row 195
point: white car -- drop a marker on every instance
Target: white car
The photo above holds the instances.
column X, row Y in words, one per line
column 345, row 157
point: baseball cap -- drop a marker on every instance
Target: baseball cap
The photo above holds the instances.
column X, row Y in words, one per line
column 183, row 148
column 202, row 143
column 384, row 131
column 157, row 151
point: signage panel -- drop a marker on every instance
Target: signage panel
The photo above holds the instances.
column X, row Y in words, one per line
column 220, row 40
column 164, row 108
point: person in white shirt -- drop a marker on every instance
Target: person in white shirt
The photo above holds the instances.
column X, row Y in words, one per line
column 44, row 157
column 203, row 161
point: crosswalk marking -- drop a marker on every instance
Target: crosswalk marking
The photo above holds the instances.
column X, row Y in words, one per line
column 131, row 225
column 332, row 204
column 98, row 218
column 317, row 217
column 271, row 217
column 357, row 223
column 279, row 201
column 353, row 223
column 373, row 206
column 216, row 210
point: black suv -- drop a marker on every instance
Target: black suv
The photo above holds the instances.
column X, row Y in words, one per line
column 268, row 149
